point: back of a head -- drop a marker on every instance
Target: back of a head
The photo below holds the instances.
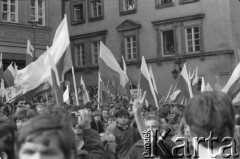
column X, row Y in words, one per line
column 210, row 112
column 7, row 131
column 43, row 127
column 23, row 113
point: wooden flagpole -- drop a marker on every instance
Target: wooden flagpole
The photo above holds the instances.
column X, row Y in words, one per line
column 75, row 87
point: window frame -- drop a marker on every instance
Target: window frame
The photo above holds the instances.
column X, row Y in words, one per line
column 83, row 20
column 131, row 47
column 162, row 43
column 126, row 12
column 9, row 13
column 93, row 59
column 163, row 5
column 193, row 39
column 36, row 9
column 92, row 18
column 80, row 62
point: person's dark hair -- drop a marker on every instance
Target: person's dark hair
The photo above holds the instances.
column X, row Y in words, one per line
column 210, row 112
column 44, row 127
column 22, row 98
column 122, row 112
column 7, row 133
column 23, row 113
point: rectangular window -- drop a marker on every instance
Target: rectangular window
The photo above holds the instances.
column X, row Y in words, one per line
column 10, row 10
column 162, row 2
column 192, row 36
column 96, row 8
column 131, row 47
column 80, row 55
column 128, row 5
column 95, row 46
column 37, row 11
column 168, row 43
column 78, row 13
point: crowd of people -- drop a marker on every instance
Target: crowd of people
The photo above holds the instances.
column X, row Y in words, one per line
column 39, row 129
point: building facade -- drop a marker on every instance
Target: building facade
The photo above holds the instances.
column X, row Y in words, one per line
column 16, row 27
column 168, row 33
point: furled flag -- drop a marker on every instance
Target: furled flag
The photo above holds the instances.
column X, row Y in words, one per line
column 2, row 90
column 232, row 88
column 174, row 95
column 84, row 91
column 1, row 67
column 57, row 92
column 103, row 96
column 169, row 91
column 9, row 75
column 153, row 79
column 203, row 85
column 29, row 55
column 66, row 98
column 145, row 84
column 32, row 76
column 195, row 82
column 184, row 83
column 110, row 70
column 124, row 87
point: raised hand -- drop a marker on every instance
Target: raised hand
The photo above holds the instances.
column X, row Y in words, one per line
column 138, row 102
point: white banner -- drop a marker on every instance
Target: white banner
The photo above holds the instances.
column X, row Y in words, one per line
column 12, row 92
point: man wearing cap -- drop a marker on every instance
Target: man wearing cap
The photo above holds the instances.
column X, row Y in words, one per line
column 125, row 135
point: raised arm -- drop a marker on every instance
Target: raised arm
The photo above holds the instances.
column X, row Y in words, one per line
column 137, row 111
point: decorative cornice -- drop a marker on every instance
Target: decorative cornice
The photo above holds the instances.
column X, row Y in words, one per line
column 128, row 25
column 98, row 33
column 160, row 60
column 25, row 26
column 178, row 19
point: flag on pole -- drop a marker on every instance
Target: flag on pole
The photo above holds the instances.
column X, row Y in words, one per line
column 2, row 90
column 66, row 98
column 84, row 92
column 232, row 88
column 2, row 84
column 29, row 53
column 9, row 75
column 103, row 96
column 174, row 95
column 124, row 87
column 57, row 91
column 145, row 84
column 65, row 63
column 33, row 75
column 153, row 79
column 169, row 91
column 184, row 83
column 195, row 82
column 111, row 71
column 53, row 69
column 1, row 67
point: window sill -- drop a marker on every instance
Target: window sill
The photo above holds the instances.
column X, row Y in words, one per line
column 159, row 6
column 170, row 55
column 187, row 1
column 128, row 12
column 78, row 22
column 92, row 19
